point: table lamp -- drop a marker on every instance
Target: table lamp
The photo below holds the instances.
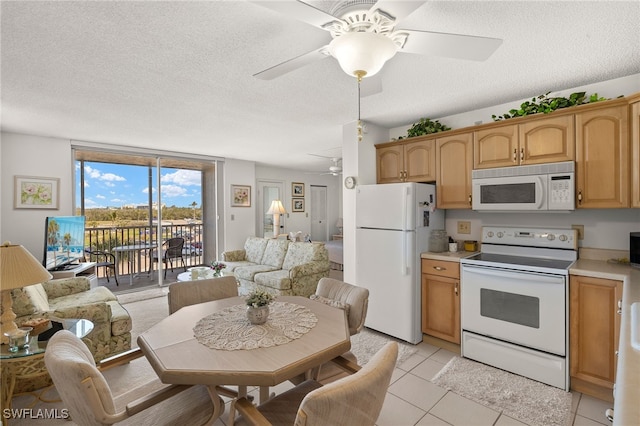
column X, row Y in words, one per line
column 276, row 210
column 18, row 268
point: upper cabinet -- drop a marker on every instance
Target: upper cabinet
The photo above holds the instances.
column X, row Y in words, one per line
column 602, row 156
column 454, row 160
column 634, row 117
column 534, row 141
column 413, row 161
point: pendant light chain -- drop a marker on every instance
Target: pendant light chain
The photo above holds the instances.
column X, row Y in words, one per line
column 359, row 75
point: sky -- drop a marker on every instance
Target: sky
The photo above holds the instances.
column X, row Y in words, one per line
column 117, row 185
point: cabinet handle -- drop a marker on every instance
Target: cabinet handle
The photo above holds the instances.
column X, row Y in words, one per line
column 619, row 311
column 439, row 268
column 515, row 153
column 469, row 199
column 521, row 154
column 456, row 289
column 579, row 197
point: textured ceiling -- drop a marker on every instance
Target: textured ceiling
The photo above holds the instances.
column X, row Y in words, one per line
column 178, row 75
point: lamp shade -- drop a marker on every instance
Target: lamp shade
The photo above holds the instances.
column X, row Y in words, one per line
column 18, row 268
column 276, row 208
column 362, row 51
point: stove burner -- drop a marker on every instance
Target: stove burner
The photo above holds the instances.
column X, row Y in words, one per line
column 522, row 261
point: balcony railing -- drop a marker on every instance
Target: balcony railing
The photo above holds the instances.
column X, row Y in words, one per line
column 107, row 238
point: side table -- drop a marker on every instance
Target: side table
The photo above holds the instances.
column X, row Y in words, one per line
column 28, row 363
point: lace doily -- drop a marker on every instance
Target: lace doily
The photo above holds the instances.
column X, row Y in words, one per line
column 229, row 329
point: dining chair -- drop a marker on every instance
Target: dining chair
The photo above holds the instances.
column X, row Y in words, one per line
column 104, row 260
column 355, row 301
column 353, row 400
column 86, row 393
column 172, row 249
column 187, row 293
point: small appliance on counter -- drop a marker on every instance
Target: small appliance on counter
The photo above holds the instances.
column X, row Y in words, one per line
column 634, row 249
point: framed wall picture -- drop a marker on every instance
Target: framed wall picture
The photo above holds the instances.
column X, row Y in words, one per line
column 297, row 189
column 297, row 204
column 240, row 196
column 32, row 192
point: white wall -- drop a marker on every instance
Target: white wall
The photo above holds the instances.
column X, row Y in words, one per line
column 238, row 222
column 301, row 221
column 26, row 155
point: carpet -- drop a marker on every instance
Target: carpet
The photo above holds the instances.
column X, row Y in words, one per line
column 531, row 402
column 366, row 343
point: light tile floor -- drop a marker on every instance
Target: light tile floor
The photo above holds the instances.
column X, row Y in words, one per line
column 413, row 400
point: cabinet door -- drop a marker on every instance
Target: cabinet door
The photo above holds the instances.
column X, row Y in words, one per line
column 602, row 158
column 389, row 164
column 420, row 161
column 441, row 307
column 594, row 328
column 454, row 161
column 635, row 153
column 547, row 140
column 495, row 147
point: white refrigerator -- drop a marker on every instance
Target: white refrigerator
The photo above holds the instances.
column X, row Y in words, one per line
column 393, row 222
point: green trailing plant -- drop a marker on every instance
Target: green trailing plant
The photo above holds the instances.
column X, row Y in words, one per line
column 259, row 298
column 426, row 126
column 544, row 104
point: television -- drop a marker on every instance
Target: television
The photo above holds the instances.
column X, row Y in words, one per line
column 63, row 242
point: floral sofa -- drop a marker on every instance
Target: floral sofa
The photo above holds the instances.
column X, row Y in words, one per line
column 278, row 266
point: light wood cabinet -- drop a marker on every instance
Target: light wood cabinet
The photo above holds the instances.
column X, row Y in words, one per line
column 602, row 156
column 634, row 118
column 534, row 141
column 441, row 299
column 454, row 162
column 594, row 330
column 407, row 162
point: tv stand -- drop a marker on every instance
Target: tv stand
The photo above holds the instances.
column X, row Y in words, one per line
column 86, row 269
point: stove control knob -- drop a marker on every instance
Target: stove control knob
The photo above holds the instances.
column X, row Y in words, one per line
column 500, row 235
column 490, row 234
column 563, row 237
column 551, row 237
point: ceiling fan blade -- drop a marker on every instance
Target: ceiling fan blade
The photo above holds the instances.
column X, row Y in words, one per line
column 398, row 9
column 292, row 64
column 457, row 46
column 298, row 10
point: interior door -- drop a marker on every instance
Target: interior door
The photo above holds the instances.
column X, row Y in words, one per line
column 267, row 192
column 319, row 226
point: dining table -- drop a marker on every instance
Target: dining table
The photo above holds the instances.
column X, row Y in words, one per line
column 214, row 344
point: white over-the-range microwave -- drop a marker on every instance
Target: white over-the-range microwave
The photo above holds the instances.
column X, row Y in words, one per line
column 540, row 187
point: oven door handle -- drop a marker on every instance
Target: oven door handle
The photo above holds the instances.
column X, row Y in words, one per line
column 540, row 278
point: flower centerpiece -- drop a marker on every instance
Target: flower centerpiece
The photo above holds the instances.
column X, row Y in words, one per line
column 217, row 268
column 258, row 306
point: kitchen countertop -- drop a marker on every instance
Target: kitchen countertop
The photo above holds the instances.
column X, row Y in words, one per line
column 627, row 393
column 447, row 256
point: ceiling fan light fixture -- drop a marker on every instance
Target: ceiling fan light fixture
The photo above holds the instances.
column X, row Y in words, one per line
column 359, row 52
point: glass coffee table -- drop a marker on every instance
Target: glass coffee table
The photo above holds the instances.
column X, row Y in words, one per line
column 28, row 363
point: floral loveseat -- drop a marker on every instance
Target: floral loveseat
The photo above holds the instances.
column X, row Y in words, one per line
column 278, row 266
column 73, row 298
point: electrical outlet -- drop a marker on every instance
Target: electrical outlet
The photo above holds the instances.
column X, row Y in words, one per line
column 580, row 229
column 464, row 227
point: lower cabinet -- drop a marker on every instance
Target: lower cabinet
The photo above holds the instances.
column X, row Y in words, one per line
column 594, row 330
column 441, row 299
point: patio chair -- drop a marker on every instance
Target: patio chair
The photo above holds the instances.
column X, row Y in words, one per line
column 85, row 392
column 104, row 260
column 171, row 250
column 354, row 400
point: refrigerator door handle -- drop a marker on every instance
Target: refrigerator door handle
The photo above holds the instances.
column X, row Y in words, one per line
column 405, row 201
column 405, row 256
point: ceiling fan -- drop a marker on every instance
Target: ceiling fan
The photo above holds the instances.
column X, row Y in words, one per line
column 336, row 167
column 365, row 36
